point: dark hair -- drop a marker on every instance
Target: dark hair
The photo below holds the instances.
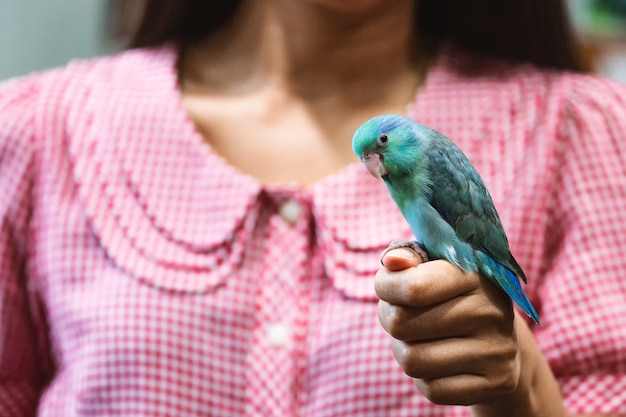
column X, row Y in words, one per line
column 145, row 23
column 536, row 31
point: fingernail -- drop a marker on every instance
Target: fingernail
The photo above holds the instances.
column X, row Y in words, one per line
column 403, row 253
column 406, row 253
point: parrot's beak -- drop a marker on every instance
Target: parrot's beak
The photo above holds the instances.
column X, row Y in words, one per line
column 374, row 164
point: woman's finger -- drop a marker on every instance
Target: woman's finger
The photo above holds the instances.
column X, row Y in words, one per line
column 424, row 285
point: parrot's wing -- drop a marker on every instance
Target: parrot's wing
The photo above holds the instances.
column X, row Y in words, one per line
column 461, row 198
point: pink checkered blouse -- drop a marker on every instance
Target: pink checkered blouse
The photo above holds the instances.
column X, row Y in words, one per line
column 141, row 275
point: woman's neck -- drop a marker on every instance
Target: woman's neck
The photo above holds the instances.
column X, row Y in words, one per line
column 317, row 53
column 280, row 91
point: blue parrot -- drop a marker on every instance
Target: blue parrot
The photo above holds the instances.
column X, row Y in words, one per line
column 443, row 199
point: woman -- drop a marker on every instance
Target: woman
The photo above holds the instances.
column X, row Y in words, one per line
column 186, row 230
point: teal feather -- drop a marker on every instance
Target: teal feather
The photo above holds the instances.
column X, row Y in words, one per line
column 443, row 199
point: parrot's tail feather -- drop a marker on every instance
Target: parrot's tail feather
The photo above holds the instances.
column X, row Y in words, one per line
column 508, row 281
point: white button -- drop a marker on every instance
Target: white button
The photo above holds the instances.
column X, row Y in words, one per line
column 278, row 334
column 290, row 211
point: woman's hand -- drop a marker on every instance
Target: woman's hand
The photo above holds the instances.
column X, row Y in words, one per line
column 457, row 335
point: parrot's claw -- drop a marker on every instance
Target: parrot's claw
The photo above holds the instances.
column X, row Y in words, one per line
column 411, row 244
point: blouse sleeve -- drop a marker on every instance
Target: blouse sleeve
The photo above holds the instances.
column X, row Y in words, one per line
column 583, row 289
column 21, row 371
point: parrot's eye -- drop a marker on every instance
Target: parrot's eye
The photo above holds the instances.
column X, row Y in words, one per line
column 383, row 139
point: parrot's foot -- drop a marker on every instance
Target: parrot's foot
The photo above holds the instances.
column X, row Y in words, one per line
column 411, row 244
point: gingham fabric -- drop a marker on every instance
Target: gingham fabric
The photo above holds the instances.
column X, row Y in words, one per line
column 141, row 275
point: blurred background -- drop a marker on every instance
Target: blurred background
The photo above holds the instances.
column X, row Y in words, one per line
column 601, row 25
column 39, row 34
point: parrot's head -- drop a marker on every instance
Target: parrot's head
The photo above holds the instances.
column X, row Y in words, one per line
column 390, row 144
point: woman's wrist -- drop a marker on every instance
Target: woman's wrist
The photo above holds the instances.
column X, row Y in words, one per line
column 537, row 393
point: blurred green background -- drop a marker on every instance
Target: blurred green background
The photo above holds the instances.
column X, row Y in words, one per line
column 38, row 34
